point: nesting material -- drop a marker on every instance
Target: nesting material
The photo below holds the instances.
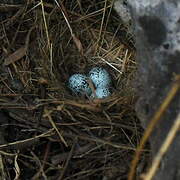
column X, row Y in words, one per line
column 55, row 108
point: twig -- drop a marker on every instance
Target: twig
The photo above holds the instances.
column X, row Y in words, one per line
column 2, row 168
column 75, row 39
column 46, row 134
column 67, row 161
column 18, row 54
column 45, row 24
column 110, row 64
column 173, row 91
column 102, row 23
column 48, row 115
column 165, row 146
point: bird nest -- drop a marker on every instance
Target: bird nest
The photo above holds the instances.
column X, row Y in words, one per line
column 46, row 130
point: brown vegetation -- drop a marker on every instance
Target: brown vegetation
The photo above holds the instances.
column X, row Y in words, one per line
column 50, row 133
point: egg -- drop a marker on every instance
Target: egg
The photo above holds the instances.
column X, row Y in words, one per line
column 79, row 85
column 101, row 92
column 100, row 77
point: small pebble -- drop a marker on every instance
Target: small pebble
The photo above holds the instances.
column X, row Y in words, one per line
column 79, row 85
column 100, row 77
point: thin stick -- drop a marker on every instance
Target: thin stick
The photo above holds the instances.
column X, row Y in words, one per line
column 169, row 139
column 45, row 24
column 48, row 115
column 110, row 64
column 68, row 160
column 152, row 124
column 65, row 15
column 102, row 23
column 124, row 61
column 46, row 134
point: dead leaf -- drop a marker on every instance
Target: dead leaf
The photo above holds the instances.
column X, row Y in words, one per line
column 21, row 52
column 15, row 56
column 78, row 44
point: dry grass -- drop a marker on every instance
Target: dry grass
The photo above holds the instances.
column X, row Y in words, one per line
column 151, row 126
column 52, row 134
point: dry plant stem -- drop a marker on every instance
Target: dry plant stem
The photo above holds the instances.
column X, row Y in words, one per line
column 101, row 28
column 80, row 105
column 9, row 22
column 6, row 154
column 124, row 62
column 46, row 134
column 165, row 146
column 40, row 172
column 18, row 54
column 2, row 170
column 105, row 142
column 48, row 115
column 9, row 7
column 45, row 24
column 173, row 91
column 41, row 109
column 16, row 168
column 67, row 161
column 107, row 20
column 46, row 155
column 65, row 15
column 111, row 65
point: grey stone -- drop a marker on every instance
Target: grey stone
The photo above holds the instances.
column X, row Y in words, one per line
column 157, row 31
column 122, row 9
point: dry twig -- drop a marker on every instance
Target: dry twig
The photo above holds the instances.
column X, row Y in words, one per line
column 156, row 118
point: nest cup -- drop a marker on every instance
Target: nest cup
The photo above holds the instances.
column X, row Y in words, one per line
column 66, row 136
column 69, row 60
column 91, row 47
column 81, row 53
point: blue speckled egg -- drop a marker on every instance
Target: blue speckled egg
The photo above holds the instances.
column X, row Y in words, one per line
column 79, row 85
column 101, row 92
column 100, row 77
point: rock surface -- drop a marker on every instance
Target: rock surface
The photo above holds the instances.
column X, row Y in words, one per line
column 157, row 31
column 121, row 8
